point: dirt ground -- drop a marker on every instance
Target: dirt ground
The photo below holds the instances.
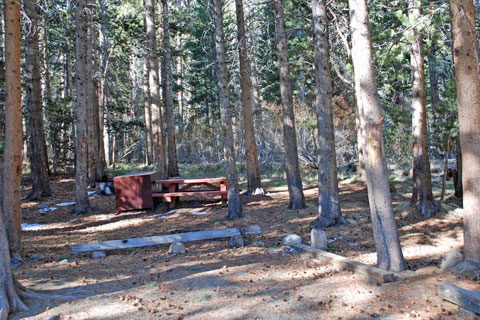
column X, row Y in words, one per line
column 262, row 280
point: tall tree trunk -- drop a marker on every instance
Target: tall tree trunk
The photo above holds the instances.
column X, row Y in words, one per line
column 465, row 54
column 234, row 203
column 104, row 137
column 422, row 196
column 69, row 141
column 154, row 88
column 92, row 105
column 10, row 219
column 97, row 117
column 148, row 117
column 254, row 182
column 12, row 154
column 47, row 98
column 67, row 89
column 37, row 149
column 389, row 252
column 180, row 86
column 82, row 204
column 294, row 181
column 169, row 108
column 328, row 201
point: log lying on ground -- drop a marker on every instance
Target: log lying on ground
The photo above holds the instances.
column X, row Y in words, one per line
column 163, row 239
column 467, row 299
column 342, row 262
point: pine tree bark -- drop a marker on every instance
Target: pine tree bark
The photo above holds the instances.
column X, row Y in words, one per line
column 458, row 175
column 96, row 120
column 104, row 141
column 12, row 154
column 254, row 182
column 172, row 166
column 92, row 105
column 37, row 149
column 148, row 118
column 465, row 54
column 154, row 88
column 360, row 148
column 10, row 238
column 47, row 95
column 234, row 203
column 67, row 89
column 294, row 181
column 328, row 200
column 82, row 204
column 180, row 86
column 10, row 301
column 389, row 252
column 422, row 196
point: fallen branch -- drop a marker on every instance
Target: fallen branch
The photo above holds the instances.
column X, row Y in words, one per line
column 465, row 298
column 163, row 239
column 342, row 262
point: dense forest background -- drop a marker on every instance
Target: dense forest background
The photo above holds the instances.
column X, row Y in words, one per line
column 119, row 49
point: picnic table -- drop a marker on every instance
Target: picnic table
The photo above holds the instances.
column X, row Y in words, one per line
column 177, row 187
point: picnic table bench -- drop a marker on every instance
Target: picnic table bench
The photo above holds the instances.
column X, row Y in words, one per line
column 177, row 188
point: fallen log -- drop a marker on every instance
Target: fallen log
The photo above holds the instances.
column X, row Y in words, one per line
column 163, row 239
column 342, row 262
column 467, row 299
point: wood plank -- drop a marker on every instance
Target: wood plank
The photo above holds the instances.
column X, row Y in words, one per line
column 465, row 298
column 186, row 181
column 189, row 193
column 342, row 262
column 191, row 185
column 163, row 239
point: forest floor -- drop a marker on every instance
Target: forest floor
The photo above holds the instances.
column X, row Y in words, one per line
column 262, row 280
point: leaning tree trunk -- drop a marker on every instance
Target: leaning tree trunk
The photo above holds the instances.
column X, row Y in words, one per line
column 465, row 54
column 254, row 183
column 294, row 181
column 37, row 149
column 234, row 203
column 328, row 201
column 12, row 154
column 154, row 88
column 9, row 299
column 389, row 252
column 422, row 196
column 82, row 204
column 172, row 166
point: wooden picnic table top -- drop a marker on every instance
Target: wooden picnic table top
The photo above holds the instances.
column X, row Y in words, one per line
column 190, row 180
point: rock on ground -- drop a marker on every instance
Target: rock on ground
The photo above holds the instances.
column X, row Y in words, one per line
column 177, row 248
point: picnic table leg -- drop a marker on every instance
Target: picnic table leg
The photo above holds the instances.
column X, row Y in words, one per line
column 223, row 187
column 173, row 187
